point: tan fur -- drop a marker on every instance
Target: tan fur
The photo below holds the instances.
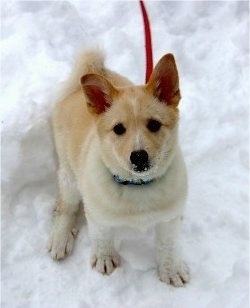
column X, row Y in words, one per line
column 90, row 153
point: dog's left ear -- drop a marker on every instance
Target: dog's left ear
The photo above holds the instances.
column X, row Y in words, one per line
column 164, row 81
column 99, row 92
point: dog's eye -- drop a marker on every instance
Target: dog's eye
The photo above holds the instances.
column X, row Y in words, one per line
column 153, row 125
column 119, row 129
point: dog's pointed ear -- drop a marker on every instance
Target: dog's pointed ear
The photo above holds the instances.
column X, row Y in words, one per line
column 99, row 92
column 164, row 81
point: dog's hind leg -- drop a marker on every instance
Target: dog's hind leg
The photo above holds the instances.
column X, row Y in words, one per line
column 64, row 229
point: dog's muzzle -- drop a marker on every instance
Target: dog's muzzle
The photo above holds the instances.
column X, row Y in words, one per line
column 140, row 161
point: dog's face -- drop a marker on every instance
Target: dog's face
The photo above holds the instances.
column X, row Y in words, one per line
column 136, row 125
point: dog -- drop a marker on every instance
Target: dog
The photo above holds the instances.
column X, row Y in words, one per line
column 118, row 152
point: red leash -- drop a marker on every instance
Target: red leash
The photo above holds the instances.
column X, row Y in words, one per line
column 148, row 42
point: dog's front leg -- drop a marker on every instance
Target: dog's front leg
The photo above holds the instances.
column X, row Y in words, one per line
column 104, row 257
column 172, row 269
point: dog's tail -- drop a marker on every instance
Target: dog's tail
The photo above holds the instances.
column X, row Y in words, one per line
column 88, row 61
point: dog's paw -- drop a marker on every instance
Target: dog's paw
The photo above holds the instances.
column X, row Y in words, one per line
column 176, row 274
column 105, row 264
column 61, row 244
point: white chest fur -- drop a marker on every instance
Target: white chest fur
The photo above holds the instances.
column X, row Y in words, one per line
column 108, row 202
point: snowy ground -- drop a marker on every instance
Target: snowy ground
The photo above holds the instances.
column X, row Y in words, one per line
column 210, row 43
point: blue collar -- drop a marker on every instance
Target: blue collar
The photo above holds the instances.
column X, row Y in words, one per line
column 122, row 181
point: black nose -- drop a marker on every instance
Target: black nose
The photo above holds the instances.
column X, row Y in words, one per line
column 139, row 160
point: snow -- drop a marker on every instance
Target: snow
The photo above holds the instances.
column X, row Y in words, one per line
column 210, row 43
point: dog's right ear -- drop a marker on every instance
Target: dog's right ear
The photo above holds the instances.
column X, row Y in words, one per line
column 99, row 92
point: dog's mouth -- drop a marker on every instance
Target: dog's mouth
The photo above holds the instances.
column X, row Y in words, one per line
column 141, row 168
column 136, row 167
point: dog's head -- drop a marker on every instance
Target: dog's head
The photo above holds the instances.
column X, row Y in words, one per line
column 136, row 125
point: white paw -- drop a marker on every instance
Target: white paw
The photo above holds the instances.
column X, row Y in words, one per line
column 175, row 274
column 61, row 244
column 105, row 264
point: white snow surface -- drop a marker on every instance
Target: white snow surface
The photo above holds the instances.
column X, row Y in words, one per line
column 211, row 46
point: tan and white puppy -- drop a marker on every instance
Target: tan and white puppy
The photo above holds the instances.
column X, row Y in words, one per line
column 117, row 145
